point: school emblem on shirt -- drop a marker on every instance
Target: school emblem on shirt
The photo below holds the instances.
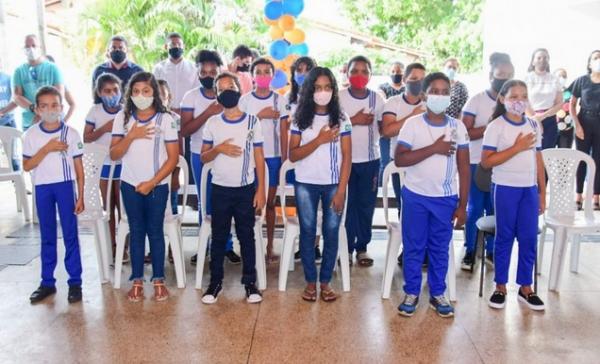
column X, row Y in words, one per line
column 80, row 145
column 174, row 125
column 347, row 127
column 250, row 136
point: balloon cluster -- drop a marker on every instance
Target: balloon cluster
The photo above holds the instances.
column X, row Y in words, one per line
column 287, row 40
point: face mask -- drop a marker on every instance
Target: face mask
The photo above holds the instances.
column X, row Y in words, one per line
column 438, row 104
column 32, row 53
column 414, row 87
column 207, row 82
column 299, row 78
column 243, row 68
column 175, row 52
column 358, row 81
column 450, row 72
column 322, row 98
column 229, row 98
column 516, row 107
column 118, row 56
column 498, row 83
column 562, row 81
column 51, row 116
column 112, row 102
column 142, row 102
column 595, row 65
column 397, row 79
column 263, row 81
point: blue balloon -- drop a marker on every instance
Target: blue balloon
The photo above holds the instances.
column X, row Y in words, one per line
column 293, row 7
column 299, row 49
column 273, row 10
column 279, row 79
column 279, row 49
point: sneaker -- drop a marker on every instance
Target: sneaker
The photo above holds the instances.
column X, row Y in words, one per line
column 498, row 300
column 409, row 305
column 194, row 259
column 532, row 301
column 400, row 257
column 489, row 259
column 41, row 293
column 74, row 294
column 212, row 293
column 297, row 256
column 253, row 295
column 468, row 261
column 318, row 256
column 442, row 306
column 233, row 258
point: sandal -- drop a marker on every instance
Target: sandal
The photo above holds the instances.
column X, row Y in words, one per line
column 328, row 295
column 160, row 291
column 309, row 295
column 136, row 293
column 272, row 259
column 579, row 205
column 596, row 206
column 364, row 260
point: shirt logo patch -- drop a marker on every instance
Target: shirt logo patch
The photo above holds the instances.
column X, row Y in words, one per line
column 250, row 136
column 80, row 145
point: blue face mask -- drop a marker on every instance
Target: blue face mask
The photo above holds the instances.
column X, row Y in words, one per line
column 299, row 78
column 112, row 102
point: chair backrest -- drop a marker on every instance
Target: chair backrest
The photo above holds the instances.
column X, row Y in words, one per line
column 561, row 166
column 93, row 159
column 389, row 170
column 285, row 168
column 8, row 137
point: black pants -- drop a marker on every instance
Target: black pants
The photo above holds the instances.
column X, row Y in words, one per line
column 590, row 123
column 236, row 203
column 565, row 138
column 550, row 135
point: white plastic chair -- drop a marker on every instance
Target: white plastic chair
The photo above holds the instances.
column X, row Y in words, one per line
column 172, row 229
column 395, row 241
column 94, row 214
column 561, row 166
column 206, row 232
column 292, row 231
column 8, row 136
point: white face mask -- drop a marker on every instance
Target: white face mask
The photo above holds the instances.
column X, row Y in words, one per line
column 322, row 98
column 51, row 116
column 142, row 102
column 595, row 65
column 32, row 53
column 438, row 103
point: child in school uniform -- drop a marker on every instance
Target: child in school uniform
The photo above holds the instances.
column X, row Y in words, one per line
column 321, row 147
column 144, row 137
column 233, row 141
column 511, row 147
column 434, row 149
column 52, row 152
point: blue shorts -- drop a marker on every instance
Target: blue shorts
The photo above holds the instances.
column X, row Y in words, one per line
column 274, row 165
column 106, row 170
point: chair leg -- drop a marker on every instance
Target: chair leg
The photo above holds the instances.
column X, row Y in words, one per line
column 344, row 259
column 480, row 245
column 540, row 254
column 34, row 216
column 451, row 275
column 122, row 232
column 261, row 267
column 102, row 242
column 391, row 255
column 175, row 244
column 556, row 265
column 575, row 245
column 203, row 237
column 99, row 259
column 287, row 257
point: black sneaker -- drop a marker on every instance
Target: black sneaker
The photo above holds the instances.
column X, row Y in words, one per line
column 212, row 293
column 194, row 259
column 253, row 295
column 318, row 256
column 41, row 293
column 400, row 257
column 233, row 258
column 532, row 300
column 74, row 294
column 489, row 259
column 468, row 261
column 297, row 256
column 498, row 300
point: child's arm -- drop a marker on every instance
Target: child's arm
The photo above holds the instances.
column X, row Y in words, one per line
column 405, row 157
column 120, row 144
column 91, row 134
column 541, row 180
column 492, row 158
column 464, row 183
column 259, row 196
column 79, row 205
column 390, row 126
column 190, row 125
column 284, row 127
column 297, row 152
column 164, row 171
column 54, row 145
column 340, row 195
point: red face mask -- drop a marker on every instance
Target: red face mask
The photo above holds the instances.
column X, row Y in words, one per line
column 358, row 81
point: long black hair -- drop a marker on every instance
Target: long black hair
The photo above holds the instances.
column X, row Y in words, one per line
column 310, row 64
column 532, row 67
column 129, row 108
column 500, row 109
column 589, row 69
column 305, row 113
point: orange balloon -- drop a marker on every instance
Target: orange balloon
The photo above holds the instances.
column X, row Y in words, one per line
column 290, row 59
column 276, row 32
column 269, row 21
column 287, row 22
column 277, row 64
column 295, row 36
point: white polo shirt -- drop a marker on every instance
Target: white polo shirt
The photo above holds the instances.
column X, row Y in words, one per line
column 542, row 90
column 145, row 157
column 436, row 175
column 97, row 117
column 196, row 101
column 521, row 169
column 400, row 108
column 56, row 166
column 181, row 77
column 365, row 138
column 253, row 104
column 480, row 107
column 288, row 109
column 247, row 134
column 321, row 167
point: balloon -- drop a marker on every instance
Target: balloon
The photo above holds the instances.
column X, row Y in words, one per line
column 279, row 49
column 276, row 32
column 273, row 10
column 271, row 22
column 287, row 23
column 293, row 7
column 279, row 80
column 290, row 59
column 295, row 36
column 299, row 49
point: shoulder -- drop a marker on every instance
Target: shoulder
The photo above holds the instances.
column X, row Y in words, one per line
column 135, row 67
column 377, row 96
column 32, row 131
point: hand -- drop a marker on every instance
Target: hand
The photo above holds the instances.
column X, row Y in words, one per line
column 460, row 216
column 214, row 108
column 230, row 150
column 55, row 145
column 259, row 200
column 418, row 110
column 79, row 207
column 444, row 147
column 579, row 132
column 140, row 132
column 542, row 208
column 268, row 113
column 524, row 142
column 327, row 134
column 337, row 203
column 145, row 187
column 363, row 118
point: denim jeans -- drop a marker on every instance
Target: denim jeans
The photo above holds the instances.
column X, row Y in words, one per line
column 9, row 121
column 384, row 149
column 307, row 201
column 146, row 215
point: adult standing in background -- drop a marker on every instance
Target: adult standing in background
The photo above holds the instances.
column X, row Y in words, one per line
column 545, row 96
column 7, row 105
column 240, row 65
column 566, row 126
column 68, row 95
column 30, row 76
column 458, row 90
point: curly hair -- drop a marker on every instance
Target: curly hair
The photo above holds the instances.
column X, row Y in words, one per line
column 129, row 107
column 310, row 64
column 305, row 113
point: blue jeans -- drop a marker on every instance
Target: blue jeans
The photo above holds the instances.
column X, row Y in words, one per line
column 307, row 201
column 146, row 215
column 9, row 121
column 479, row 202
column 384, row 150
column 362, row 196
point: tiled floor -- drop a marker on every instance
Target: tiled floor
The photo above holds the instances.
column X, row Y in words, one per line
column 359, row 328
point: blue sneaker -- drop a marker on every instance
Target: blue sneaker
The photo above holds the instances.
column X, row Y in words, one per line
column 442, row 306
column 409, row 305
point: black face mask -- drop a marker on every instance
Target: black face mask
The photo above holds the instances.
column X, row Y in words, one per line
column 207, row 82
column 244, row 68
column 229, row 98
column 118, row 56
column 176, row 52
column 396, row 78
column 414, row 87
column 498, row 83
